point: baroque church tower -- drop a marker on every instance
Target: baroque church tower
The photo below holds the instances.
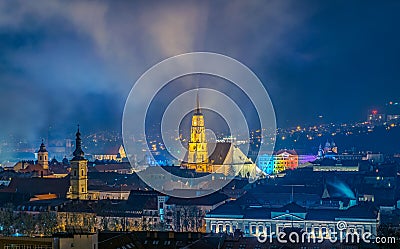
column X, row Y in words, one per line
column 197, row 151
column 43, row 157
column 78, row 175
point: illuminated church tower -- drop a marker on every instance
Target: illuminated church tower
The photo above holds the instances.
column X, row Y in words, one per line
column 78, row 175
column 197, row 151
column 43, row 156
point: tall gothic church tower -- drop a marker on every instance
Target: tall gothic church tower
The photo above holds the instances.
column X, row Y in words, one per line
column 43, row 156
column 78, row 175
column 197, row 151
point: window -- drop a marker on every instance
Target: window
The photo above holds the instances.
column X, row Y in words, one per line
column 246, row 229
column 213, row 228
column 260, row 229
column 228, row 228
column 220, row 228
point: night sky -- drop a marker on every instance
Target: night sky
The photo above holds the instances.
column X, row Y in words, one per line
column 69, row 62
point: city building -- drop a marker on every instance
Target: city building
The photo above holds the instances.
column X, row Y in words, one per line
column 79, row 169
column 224, row 157
column 114, row 153
column 329, row 151
column 121, row 168
column 40, row 168
column 146, row 239
column 376, row 118
column 254, row 220
column 197, row 156
column 280, row 161
column 28, row 187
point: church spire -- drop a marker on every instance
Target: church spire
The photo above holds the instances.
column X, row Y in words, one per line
column 42, row 147
column 198, row 111
column 43, row 156
column 78, row 153
column 197, row 147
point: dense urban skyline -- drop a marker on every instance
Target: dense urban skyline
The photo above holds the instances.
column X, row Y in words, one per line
column 147, row 124
column 64, row 63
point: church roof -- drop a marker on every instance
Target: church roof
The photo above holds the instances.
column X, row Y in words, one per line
column 35, row 168
column 78, row 152
column 38, row 185
column 220, row 153
column 140, row 200
column 113, row 167
column 107, row 149
column 42, row 148
column 291, row 152
column 292, row 208
column 230, row 209
column 218, row 156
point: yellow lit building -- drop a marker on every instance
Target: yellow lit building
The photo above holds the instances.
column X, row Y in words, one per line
column 226, row 158
column 197, row 150
column 116, row 153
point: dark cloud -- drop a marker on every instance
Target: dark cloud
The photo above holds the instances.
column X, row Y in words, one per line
column 75, row 61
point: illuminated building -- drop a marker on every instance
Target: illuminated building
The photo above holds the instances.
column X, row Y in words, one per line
column 78, row 175
column 225, row 158
column 280, row 161
column 116, row 153
column 228, row 159
column 41, row 168
column 376, row 118
column 329, row 151
column 321, row 222
column 197, row 150
column 43, row 157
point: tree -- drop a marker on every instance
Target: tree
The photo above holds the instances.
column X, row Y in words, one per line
column 7, row 220
column 47, row 223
